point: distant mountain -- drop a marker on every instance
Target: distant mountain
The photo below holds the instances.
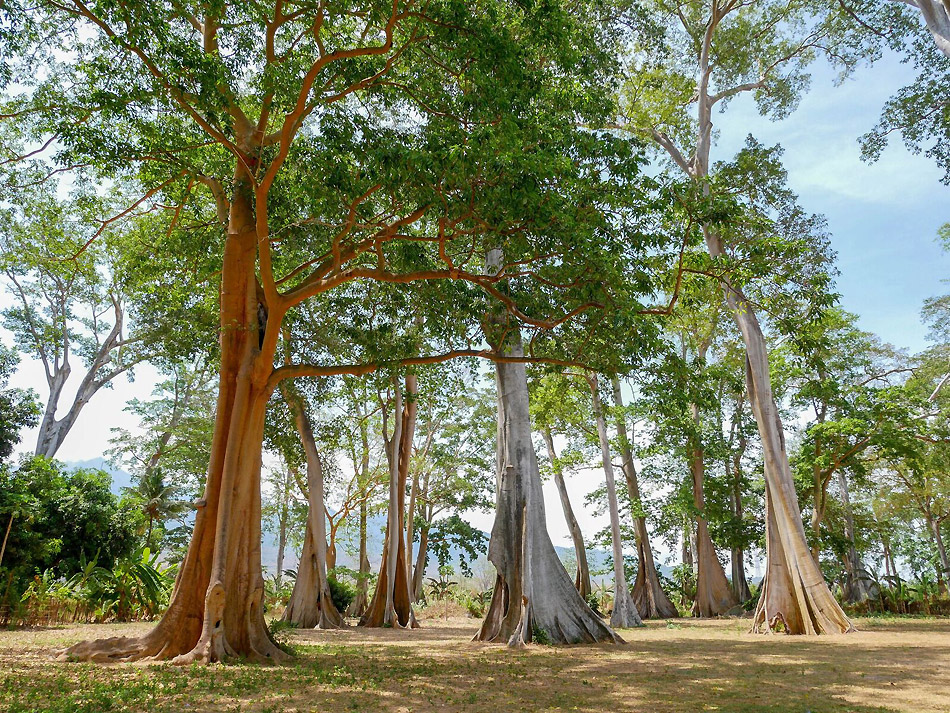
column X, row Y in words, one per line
column 120, row 478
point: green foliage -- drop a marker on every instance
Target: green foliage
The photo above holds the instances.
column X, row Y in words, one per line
column 18, row 407
column 60, row 519
column 443, row 587
column 135, row 587
column 281, row 632
column 452, row 535
column 341, row 592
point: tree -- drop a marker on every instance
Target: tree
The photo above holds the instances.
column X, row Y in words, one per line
column 917, row 112
column 449, row 468
column 532, row 589
column 556, row 407
column 624, row 614
column 158, row 500
column 650, row 598
column 391, row 604
column 18, row 407
column 63, row 519
column 936, row 17
column 841, row 377
column 311, row 605
column 713, row 52
column 320, row 194
column 73, row 300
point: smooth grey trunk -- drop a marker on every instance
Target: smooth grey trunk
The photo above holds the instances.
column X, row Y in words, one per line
column 53, row 431
column 392, row 530
column 282, row 535
column 689, row 565
column 358, row 605
column 533, row 592
column 740, row 585
column 311, row 605
column 859, row 586
column 934, row 524
column 419, row 570
column 410, row 527
column 582, row 579
column 651, row 600
column 624, row 614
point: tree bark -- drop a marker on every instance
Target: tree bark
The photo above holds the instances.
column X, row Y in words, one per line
column 216, row 611
column 582, row 578
column 391, row 604
column 714, row 596
column 358, row 605
column 310, row 605
column 794, row 592
column 533, row 592
column 858, row 586
column 650, row 598
column 419, row 570
column 624, row 614
column 740, row 585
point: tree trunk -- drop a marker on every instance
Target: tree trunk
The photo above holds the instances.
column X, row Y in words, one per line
column 283, row 516
column 419, row 571
column 740, row 585
column 858, row 585
column 310, row 605
column 533, row 592
column 650, row 598
column 624, row 614
column 582, row 578
column 410, row 534
column 358, row 605
column 941, row 550
column 331, row 552
column 52, row 431
column 6, row 536
column 216, row 611
column 392, row 604
column 794, row 592
column 714, row 596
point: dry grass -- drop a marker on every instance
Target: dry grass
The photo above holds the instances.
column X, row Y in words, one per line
column 890, row 665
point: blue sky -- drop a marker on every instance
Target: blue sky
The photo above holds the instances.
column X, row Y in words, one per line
column 883, row 217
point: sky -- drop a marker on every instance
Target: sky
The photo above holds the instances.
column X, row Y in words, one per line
column 883, row 219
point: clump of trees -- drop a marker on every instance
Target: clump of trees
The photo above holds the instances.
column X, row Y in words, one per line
column 329, row 229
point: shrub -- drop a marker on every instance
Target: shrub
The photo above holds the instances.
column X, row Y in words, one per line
column 342, row 593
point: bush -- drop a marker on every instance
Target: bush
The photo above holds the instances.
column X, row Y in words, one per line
column 342, row 593
column 280, row 632
column 135, row 588
column 592, row 602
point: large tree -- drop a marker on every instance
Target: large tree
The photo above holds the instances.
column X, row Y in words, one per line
column 712, row 51
column 340, row 149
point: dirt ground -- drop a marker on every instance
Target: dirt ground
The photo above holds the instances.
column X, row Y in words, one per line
column 687, row 665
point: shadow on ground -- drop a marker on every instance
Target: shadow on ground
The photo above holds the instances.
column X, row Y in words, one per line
column 686, row 666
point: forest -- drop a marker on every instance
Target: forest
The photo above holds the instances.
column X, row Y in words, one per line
column 454, row 360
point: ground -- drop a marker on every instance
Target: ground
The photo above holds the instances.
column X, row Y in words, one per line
column 689, row 665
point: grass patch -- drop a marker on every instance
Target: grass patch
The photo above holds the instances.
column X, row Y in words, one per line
column 889, row 665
